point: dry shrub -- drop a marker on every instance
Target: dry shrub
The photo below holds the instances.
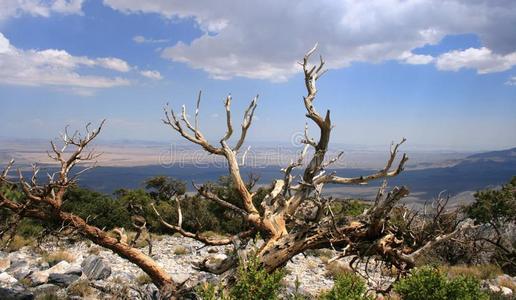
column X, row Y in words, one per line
column 461, row 270
column 143, row 279
column 485, row 271
column 17, row 243
column 80, row 288
column 212, row 235
column 181, row 250
column 337, row 268
column 94, row 250
column 58, row 256
column 390, row 271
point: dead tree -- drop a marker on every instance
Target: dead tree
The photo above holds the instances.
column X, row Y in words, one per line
column 295, row 216
column 44, row 202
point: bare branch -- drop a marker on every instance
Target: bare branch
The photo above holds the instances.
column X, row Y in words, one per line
column 246, row 123
column 211, row 196
column 229, row 132
column 384, row 173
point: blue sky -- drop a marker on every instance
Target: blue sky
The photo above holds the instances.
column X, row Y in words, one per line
column 441, row 74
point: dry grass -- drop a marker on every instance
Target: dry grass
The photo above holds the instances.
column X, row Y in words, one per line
column 312, row 264
column 143, row 279
column 25, row 282
column 391, row 271
column 181, row 250
column 94, row 250
column 142, row 239
column 487, row 271
column 337, row 268
column 212, row 235
column 48, row 297
column 80, row 288
column 58, row 256
column 17, row 243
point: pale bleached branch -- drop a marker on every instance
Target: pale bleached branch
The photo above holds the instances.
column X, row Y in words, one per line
column 246, row 123
column 229, row 131
column 384, row 173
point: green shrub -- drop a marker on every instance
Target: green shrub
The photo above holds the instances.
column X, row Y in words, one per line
column 347, row 286
column 29, row 228
column 255, row 283
column 209, row 291
column 101, row 210
column 428, row 283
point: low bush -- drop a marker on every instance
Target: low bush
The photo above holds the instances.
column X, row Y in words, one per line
column 429, row 283
column 209, row 291
column 255, row 283
column 347, row 286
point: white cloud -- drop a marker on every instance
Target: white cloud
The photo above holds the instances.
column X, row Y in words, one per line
column 482, row 59
column 57, row 68
column 415, row 59
column 139, row 39
column 511, row 81
column 264, row 39
column 114, row 64
column 151, row 74
column 5, row 45
column 41, row 8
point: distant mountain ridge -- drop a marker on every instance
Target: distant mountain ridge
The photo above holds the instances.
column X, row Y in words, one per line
column 472, row 173
column 508, row 155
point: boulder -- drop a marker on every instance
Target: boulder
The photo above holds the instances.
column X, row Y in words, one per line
column 5, row 263
column 74, row 270
column 19, row 269
column 16, row 264
column 46, row 289
column 506, row 291
column 213, row 250
column 38, row 278
column 62, row 280
column 96, row 268
column 41, row 277
column 59, row 268
column 180, row 277
column 17, row 292
column 7, row 280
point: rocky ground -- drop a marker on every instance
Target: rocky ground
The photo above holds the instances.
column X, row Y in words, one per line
column 85, row 271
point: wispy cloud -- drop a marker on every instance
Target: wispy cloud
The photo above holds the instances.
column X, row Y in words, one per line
column 143, row 40
column 152, row 74
column 15, row 8
column 511, row 81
